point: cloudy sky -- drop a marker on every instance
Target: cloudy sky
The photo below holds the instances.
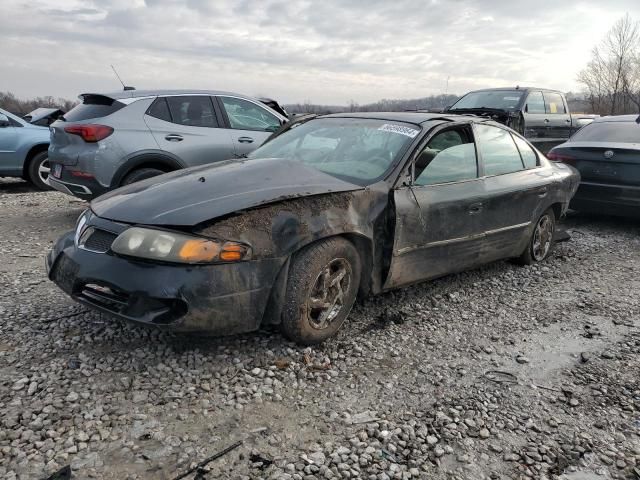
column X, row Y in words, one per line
column 323, row 51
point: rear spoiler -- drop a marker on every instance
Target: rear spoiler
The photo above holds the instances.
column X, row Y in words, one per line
column 96, row 99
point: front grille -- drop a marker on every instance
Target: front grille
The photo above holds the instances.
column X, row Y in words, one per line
column 97, row 240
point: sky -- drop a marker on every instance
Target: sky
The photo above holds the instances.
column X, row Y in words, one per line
column 321, row 51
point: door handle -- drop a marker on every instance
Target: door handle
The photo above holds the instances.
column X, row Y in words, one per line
column 475, row 208
column 546, row 120
column 568, row 120
column 174, row 137
column 245, row 140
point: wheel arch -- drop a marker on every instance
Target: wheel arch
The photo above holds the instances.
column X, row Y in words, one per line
column 156, row 160
column 557, row 209
column 31, row 153
column 364, row 248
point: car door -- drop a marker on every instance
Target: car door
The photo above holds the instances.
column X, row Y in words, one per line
column 513, row 189
column 559, row 120
column 437, row 231
column 188, row 127
column 250, row 124
column 8, row 145
column 535, row 116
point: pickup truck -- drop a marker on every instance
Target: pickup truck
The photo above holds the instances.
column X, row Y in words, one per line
column 540, row 114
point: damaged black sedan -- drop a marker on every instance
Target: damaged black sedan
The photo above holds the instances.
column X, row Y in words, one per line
column 330, row 208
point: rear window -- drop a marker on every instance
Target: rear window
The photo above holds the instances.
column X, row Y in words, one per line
column 93, row 106
column 612, row 132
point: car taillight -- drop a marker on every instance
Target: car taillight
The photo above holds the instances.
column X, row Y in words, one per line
column 90, row 133
column 559, row 157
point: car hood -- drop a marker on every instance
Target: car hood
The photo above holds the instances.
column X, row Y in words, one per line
column 199, row 194
column 41, row 113
column 496, row 113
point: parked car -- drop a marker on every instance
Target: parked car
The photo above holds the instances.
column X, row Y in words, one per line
column 110, row 140
column 23, row 150
column 328, row 208
column 540, row 114
column 43, row 116
column 607, row 155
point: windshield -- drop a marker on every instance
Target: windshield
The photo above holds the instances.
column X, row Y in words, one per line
column 501, row 99
column 357, row 150
column 612, row 132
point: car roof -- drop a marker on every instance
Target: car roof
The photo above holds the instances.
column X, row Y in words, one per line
column 123, row 94
column 524, row 89
column 618, row 118
column 416, row 118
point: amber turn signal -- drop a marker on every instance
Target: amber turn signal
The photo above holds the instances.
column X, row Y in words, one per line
column 233, row 252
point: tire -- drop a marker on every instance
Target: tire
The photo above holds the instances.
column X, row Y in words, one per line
column 38, row 170
column 337, row 258
column 140, row 174
column 541, row 241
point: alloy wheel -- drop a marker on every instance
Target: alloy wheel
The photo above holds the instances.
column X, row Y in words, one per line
column 44, row 170
column 542, row 238
column 327, row 296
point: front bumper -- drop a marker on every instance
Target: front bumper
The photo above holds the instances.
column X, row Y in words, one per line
column 618, row 200
column 218, row 299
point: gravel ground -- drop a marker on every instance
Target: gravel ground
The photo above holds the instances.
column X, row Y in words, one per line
column 502, row 372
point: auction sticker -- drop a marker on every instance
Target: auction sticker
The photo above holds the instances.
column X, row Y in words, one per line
column 406, row 131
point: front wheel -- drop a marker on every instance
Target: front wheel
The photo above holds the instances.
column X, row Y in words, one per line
column 322, row 288
column 541, row 240
column 39, row 171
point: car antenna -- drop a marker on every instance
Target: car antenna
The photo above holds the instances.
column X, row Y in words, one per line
column 124, row 87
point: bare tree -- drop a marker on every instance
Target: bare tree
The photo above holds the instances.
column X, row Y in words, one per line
column 612, row 72
column 632, row 81
column 11, row 103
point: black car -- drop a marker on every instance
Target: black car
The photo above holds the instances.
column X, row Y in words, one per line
column 329, row 208
column 607, row 155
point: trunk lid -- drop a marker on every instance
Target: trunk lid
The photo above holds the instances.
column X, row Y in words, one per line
column 65, row 147
column 599, row 162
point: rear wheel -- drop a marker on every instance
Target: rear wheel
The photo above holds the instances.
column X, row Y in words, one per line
column 541, row 240
column 141, row 174
column 38, row 170
column 322, row 288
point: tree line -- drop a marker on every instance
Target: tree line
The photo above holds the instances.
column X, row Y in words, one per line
column 430, row 103
column 612, row 76
column 19, row 107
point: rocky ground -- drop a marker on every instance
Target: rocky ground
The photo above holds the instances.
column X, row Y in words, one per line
column 503, row 372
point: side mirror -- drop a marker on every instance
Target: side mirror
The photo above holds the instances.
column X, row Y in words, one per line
column 4, row 121
column 526, row 108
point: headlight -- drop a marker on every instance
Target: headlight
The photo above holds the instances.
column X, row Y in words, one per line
column 176, row 247
column 80, row 224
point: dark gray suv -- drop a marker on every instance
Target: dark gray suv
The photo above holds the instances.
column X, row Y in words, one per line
column 110, row 140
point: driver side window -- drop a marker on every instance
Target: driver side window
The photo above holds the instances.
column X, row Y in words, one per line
column 448, row 157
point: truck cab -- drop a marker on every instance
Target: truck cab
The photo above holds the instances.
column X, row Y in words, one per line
column 540, row 114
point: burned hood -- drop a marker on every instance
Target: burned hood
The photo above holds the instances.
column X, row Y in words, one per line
column 195, row 195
